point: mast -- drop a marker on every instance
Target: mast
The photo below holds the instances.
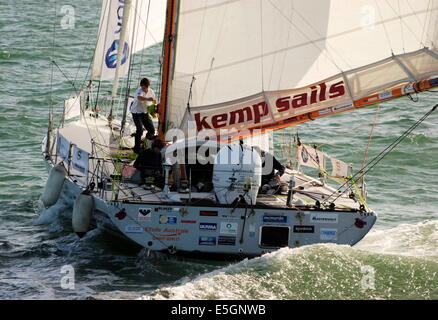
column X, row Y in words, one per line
column 168, row 52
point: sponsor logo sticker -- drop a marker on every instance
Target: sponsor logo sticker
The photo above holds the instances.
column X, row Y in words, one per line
column 385, row 95
column 228, row 228
column 168, row 209
column 252, row 230
column 343, row 107
column 208, row 213
column 324, row 111
column 226, row 241
column 188, row 221
column 328, row 234
column 304, row 229
column 323, row 217
column 230, row 217
column 207, row 226
column 133, row 229
column 274, row 219
column 207, row 241
column 408, row 89
column 144, row 214
column 167, row 220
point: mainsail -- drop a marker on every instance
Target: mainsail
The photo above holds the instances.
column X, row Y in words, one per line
column 266, row 64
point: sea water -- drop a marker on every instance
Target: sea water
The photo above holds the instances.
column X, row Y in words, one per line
column 398, row 259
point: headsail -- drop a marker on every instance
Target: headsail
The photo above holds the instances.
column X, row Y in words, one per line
column 145, row 29
column 272, row 63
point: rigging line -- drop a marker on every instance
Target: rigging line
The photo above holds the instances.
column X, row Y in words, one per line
column 345, row 134
column 88, row 71
column 85, row 47
column 65, row 76
column 384, row 27
column 427, row 18
column 310, row 25
column 370, row 136
column 305, row 35
column 195, row 63
column 413, row 11
column 402, row 21
column 225, row 11
column 419, row 20
column 204, row 10
column 401, row 27
column 144, row 39
column 385, row 152
column 52, row 66
column 94, row 53
column 261, row 45
column 280, row 78
column 134, row 39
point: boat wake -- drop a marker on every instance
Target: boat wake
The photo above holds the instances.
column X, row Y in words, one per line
column 399, row 263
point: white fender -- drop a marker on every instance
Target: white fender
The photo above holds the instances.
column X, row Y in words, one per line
column 82, row 211
column 54, row 184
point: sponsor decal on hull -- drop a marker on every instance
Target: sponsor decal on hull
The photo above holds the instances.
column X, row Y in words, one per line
column 133, row 229
column 318, row 217
column 167, row 209
column 252, row 230
column 144, row 214
column 227, row 217
column 208, row 213
column 226, row 241
column 207, row 226
column 304, row 229
column 328, row 234
column 228, row 228
column 274, row 219
column 188, row 221
column 207, row 241
column 168, row 220
column 170, row 234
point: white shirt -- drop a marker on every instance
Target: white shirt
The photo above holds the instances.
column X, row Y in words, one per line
column 141, row 106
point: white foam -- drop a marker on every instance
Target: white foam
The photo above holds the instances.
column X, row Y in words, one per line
column 415, row 240
column 51, row 214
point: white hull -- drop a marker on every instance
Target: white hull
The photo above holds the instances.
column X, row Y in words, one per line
column 218, row 229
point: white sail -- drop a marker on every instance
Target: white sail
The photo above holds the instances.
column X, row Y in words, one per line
column 260, row 63
column 145, row 28
column 72, row 107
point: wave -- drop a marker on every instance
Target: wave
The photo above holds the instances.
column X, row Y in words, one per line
column 399, row 263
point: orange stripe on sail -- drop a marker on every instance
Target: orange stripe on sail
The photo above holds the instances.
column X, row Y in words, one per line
column 396, row 92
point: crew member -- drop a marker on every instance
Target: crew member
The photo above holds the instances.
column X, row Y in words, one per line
column 144, row 98
column 271, row 179
column 149, row 163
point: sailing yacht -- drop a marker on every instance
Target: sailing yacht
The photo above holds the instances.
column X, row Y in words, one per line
column 231, row 73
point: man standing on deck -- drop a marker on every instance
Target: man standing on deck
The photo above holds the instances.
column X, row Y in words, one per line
column 144, row 98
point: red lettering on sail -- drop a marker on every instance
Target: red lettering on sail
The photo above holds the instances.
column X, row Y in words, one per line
column 255, row 113
column 317, row 94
